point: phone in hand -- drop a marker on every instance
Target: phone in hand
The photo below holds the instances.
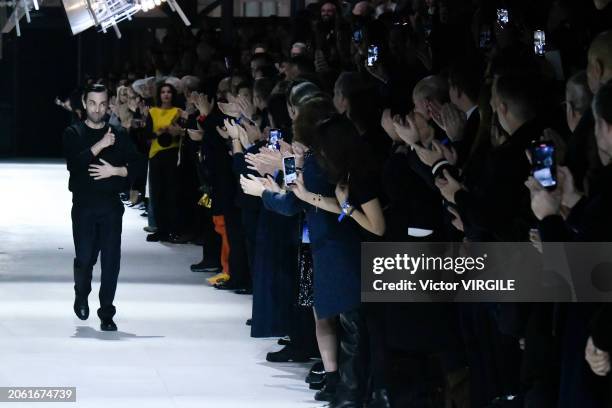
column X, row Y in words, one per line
column 543, row 166
column 289, row 170
column 503, row 17
column 372, row 55
column 357, row 36
column 539, row 42
column 182, row 122
column 273, row 140
column 485, row 39
column 138, row 123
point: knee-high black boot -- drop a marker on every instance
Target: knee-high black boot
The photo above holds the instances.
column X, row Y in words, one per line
column 352, row 361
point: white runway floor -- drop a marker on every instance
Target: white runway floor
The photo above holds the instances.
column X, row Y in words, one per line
column 181, row 344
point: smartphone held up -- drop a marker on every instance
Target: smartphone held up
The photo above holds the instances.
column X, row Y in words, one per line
column 539, row 42
column 289, row 170
column 503, row 17
column 543, row 166
column 372, row 55
column 276, row 135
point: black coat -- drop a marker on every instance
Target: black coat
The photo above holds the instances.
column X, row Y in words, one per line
column 498, row 207
column 412, row 202
column 217, row 165
column 590, row 220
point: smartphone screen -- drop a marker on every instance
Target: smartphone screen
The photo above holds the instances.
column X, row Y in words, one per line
column 273, row 140
column 485, row 39
column 357, row 36
column 539, row 42
column 372, row 55
column 502, row 16
column 289, row 169
column 543, row 164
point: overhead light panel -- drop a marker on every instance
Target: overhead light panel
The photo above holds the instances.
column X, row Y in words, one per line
column 83, row 14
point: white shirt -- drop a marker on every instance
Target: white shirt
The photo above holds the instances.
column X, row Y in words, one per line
column 470, row 111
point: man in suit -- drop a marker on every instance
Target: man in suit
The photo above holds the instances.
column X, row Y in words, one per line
column 498, row 206
column 460, row 118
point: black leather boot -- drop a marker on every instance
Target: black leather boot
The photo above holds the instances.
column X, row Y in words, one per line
column 328, row 392
column 352, row 361
column 380, row 399
column 316, row 376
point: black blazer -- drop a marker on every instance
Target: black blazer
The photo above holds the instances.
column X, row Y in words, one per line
column 498, row 207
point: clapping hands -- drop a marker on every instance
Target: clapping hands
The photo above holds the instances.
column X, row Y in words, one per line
column 202, row 103
column 449, row 118
column 387, row 124
column 267, row 161
column 437, row 152
column 406, row 129
column 237, row 107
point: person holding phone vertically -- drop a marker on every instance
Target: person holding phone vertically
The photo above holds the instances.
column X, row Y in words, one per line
column 102, row 163
column 587, row 340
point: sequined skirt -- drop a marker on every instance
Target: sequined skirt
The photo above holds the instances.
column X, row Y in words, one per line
column 305, row 284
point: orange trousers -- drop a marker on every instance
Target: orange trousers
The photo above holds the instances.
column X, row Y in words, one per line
column 219, row 222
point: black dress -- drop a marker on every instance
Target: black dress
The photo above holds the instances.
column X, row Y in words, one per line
column 336, row 246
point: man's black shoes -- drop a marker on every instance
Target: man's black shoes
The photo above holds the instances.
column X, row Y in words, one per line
column 156, row 237
column 81, row 309
column 287, row 355
column 205, row 267
column 108, row 325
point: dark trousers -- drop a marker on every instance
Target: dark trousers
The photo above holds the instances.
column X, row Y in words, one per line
column 353, row 358
column 238, row 258
column 211, row 248
column 249, row 221
column 97, row 230
column 164, row 179
column 302, row 331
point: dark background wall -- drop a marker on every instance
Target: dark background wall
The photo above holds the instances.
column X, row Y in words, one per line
column 39, row 66
column 48, row 61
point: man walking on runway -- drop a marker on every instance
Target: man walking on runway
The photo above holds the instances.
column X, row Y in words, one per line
column 102, row 163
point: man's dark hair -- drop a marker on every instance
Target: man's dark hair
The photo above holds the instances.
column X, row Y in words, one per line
column 332, row 2
column 263, row 87
column 602, row 104
column 97, row 88
column 349, row 83
column 242, row 85
column 364, row 109
column 172, row 90
column 268, row 71
column 467, row 78
column 277, row 109
column 304, row 64
column 264, row 58
column 520, row 94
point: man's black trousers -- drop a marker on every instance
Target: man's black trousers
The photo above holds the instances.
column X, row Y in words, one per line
column 97, row 230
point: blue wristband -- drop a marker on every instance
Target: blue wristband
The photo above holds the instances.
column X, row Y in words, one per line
column 344, row 207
